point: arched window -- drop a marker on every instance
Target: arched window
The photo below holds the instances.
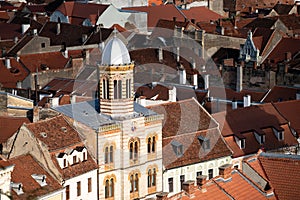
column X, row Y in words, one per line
column 136, row 183
column 136, row 147
column 117, row 89
column 149, row 178
column 106, row 188
column 106, row 155
column 111, row 154
column 128, row 88
column 149, row 145
column 105, row 89
column 131, row 183
column 153, row 144
column 154, row 177
column 109, row 188
column 131, row 150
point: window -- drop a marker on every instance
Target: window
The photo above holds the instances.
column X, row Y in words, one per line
column 131, row 150
column 105, row 89
column 128, row 88
column 43, row 45
column 177, row 148
column 78, row 188
column 74, row 159
column 67, row 192
column 89, row 184
column 204, row 142
column 199, row 173
column 181, row 181
column 243, row 143
column 84, row 156
column 117, row 89
column 210, row 173
column 134, row 149
column 151, row 177
column 151, row 144
column 280, row 135
column 109, row 188
column 109, row 153
column 134, row 182
column 170, row 182
column 65, row 162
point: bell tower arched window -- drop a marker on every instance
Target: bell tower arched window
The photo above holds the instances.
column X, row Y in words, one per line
column 117, row 89
column 105, row 89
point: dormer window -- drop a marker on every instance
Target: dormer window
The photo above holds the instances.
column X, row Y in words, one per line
column 65, row 162
column 41, row 179
column 260, row 138
column 17, row 187
column 241, row 142
column 62, row 159
column 279, row 134
column 177, row 148
column 74, row 159
column 204, row 142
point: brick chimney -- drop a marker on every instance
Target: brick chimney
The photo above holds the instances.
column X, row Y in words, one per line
column 225, row 171
column 189, row 187
column 162, row 196
column 201, row 180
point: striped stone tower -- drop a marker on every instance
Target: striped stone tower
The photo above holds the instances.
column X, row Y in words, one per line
column 116, row 80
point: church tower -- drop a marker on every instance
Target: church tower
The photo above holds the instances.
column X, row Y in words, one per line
column 116, row 80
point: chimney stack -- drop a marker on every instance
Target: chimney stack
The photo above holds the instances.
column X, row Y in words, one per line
column 247, row 100
column 35, row 117
column 83, row 38
column 177, row 54
column 182, row 75
column 7, row 63
column 234, row 104
column 160, row 54
column 206, row 81
column 162, row 196
column 57, row 28
column 189, row 187
column 239, row 78
column 201, row 180
column 172, row 94
column 225, row 171
column 35, row 32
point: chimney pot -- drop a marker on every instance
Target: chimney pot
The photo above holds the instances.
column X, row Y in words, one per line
column 189, row 187
column 201, row 179
column 247, row 100
column 225, row 171
column 162, row 196
column 234, row 104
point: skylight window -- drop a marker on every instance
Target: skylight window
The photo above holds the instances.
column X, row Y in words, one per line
column 41, row 179
column 177, row 148
column 204, row 142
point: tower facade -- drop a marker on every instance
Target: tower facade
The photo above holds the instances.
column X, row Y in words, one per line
column 116, row 80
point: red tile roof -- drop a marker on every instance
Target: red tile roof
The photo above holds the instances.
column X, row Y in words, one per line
column 10, row 31
column 10, row 77
column 201, row 14
column 55, row 132
column 280, row 93
column 75, row 10
column 159, row 12
column 10, row 125
column 243, row 122
column 239, row 187
column 290, row 111
column 178, row 117
column 282, row 171
column 77, row 169
column 25, row 166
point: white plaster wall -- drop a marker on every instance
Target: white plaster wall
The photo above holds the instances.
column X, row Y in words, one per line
column 190, row 172
column 84, row 186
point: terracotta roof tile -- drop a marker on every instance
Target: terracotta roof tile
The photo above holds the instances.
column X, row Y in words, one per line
column 280, row 93
column 178, row 120
column 10, row 125
column 159, row 12
column 201, row 14
column 193, row 152
column 239, row 187
column 10, row 31
column 10, row 77
column 243, row 122
column 283, row 172
column 55, row 132
column 25, row 166
column 290, row 110
column 283, row 9
column 77, row 169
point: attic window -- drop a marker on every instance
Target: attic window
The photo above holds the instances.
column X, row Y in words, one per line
column 279, row 134
column 205, row 142
column 17, row 187
column 74, row 159
column 41, row 179
column 64, row 129
column 260, row 138
column 43, row 134
column 241, row 142
column 177, row 148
